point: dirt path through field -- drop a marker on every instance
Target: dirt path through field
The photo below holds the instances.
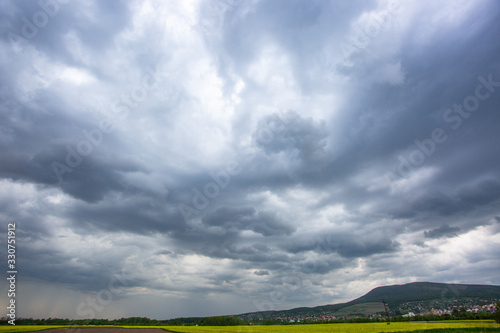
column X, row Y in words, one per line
column 103, row 330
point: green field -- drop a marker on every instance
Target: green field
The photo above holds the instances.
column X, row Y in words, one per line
column 26, row 328
column 33, row 328
column 488, row 326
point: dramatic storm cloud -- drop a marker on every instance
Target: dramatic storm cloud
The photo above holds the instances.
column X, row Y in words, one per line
column 195, row 158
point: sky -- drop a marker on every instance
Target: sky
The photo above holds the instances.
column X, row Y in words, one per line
column 197, row 158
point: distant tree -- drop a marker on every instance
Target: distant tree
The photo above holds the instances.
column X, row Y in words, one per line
column 497, row 313
column 175, row 322
column 463, row 312
column 268, row 321
column 222, row 321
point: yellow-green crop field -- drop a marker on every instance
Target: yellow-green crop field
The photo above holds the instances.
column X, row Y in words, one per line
column 320, row 328
column 341, row 328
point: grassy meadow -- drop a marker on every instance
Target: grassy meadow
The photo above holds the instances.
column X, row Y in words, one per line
column 451, row 326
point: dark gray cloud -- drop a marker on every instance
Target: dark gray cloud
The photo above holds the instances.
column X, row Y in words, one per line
column 299, row 140
column 247, row 218
column 351, row 245
column 442, row 232
column 253, row 161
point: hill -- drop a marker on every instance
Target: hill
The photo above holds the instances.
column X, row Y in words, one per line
column 424, row 291
column 400, row 298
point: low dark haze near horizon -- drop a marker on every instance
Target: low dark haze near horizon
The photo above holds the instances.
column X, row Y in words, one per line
column 195, row 158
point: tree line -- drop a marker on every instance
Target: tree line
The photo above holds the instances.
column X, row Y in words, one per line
column 132, row 321
column 457, row 314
